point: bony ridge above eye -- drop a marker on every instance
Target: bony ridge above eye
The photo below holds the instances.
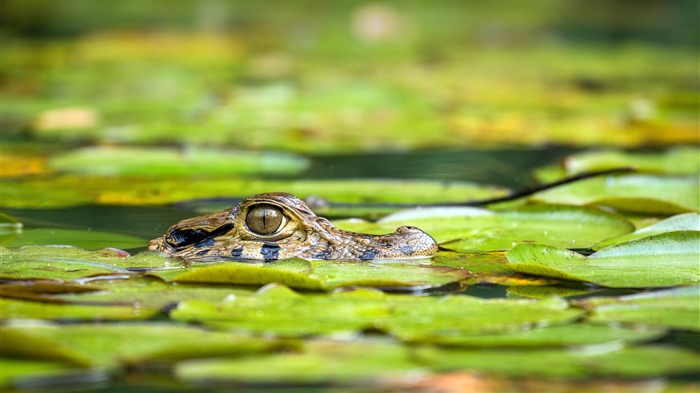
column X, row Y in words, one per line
column 265, row 219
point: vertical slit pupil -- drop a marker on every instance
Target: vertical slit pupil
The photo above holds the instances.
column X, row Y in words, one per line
column 264, row 219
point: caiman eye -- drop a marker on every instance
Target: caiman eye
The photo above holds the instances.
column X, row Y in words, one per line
column 265, row 219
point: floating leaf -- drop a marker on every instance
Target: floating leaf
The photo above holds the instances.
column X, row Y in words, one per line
column 675, row 308
column 75, row 190
column 122, row 344
column 660, row 260
column 325, row 275
column 20, row 309
column 17, row 372
column 169, row 162
column 9, row 228
column 576, row 334
column 68, row 263
column 478, row 230
column 318, row 362
column 278, row 310
column 458, row 315
column 150, row 292
column 678, row 161
column 634, row 193
column 78, row 238
column 640, row 362
column 681, row 222
column 41, row 290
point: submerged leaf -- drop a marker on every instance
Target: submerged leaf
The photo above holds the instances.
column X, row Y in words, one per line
column 660, row 260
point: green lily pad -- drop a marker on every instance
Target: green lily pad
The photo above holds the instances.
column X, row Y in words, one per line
column 319, row 275
column 150, row 292
column 319, row 362
column 633, row 193
column 680, row 222
column 576, row 334
column 16, row 371
column 610, row 361
column 169, row 162
column 479, row 230
column 675, row 308
column 458, row 315
column 74, row 190
column 678, row 161
column 20, row 309
column 42, row 290
column 123, row 344
column 78, row 238
column 69, row 263
column 9, row 228
column 655, row 261
column 278, row 310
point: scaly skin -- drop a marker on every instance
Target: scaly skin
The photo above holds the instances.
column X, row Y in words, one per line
column 301, row 234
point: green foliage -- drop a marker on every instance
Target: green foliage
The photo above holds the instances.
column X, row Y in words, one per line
column 164, row 162
column 632, row 193
column 660, row 260
column 472, row 230
column 675, row 308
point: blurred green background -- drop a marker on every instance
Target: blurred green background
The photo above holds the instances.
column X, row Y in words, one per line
column 325, row 77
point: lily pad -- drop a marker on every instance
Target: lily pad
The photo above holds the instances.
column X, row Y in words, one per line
column 655, row 261
column 680, row 222
column 319, row 275
column 71, row 190
column 20, row 309
column 9, row 228
column 150, row 292
column 69, row 263
column 678, row 161
column 675, row 308
column 610, row 361
column 459, row 315
column 78, row 238
column 123, row 344
column 17, row 372
column 633, row 193
column 478, row 230
column 576, row 334
column 277, row 310
column 319, row 362
column 169, row 162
